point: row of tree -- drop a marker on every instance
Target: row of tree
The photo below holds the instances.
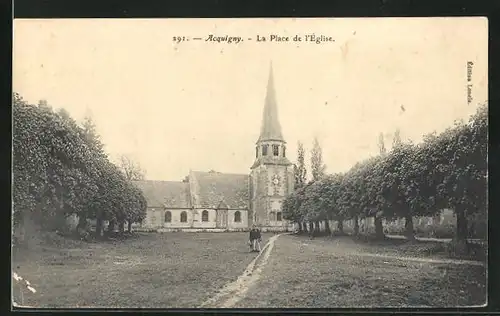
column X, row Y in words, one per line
column 60, row 169
column 448, row 170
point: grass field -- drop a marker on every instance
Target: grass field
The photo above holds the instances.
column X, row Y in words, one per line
column 174, row 270
column 149, row 270
column 323, row 273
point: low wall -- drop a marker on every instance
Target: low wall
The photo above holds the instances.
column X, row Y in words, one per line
column 207, row 230
column 274, row 229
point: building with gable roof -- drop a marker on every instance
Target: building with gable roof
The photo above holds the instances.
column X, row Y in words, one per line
column 227, row 202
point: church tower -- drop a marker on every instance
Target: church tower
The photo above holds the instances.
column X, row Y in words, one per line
column 272, row 173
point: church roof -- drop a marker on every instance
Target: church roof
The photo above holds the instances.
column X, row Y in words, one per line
column 170, row 194
column 271, row 128
column 212, row 189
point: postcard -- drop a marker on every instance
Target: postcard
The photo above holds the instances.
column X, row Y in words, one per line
column 250, row 163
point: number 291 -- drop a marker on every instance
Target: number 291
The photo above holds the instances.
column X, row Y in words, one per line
column 178, row 39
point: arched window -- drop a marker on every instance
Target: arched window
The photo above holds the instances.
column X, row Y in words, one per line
column 184, row 217
column 276, row 150
column 168, row 217
column 204, row 216
column 257, row 152
column 237, row 217
column 278, row 216
column 264, row 150
column 284, row 150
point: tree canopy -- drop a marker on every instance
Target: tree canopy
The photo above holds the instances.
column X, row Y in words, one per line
column 60, row 168
column 448, row 170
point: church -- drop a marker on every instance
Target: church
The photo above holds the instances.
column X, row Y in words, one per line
column 215, row 201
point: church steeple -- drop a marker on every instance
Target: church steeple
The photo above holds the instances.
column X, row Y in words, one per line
column 271, row 175
column 271, row 146
column 271, row 128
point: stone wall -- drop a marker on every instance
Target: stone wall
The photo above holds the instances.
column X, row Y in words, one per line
column 155, row 219
column 242, row 224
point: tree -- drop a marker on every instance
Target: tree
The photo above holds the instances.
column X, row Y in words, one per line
column 402, row 185
column 381, row 144
column 348, row 196
column 43, row 104
column 28, row 160
column 290, row 209
column 62, row 176
column 291, row 206
column 445, row 170
column 396, row 141
column 61, row 169
column 461, row 169
column 300, row 171
column 315, row 203
column 330, row 192
column 317, row 166
column 138, row 207
column 65, row 116
column 379, row 230
column 92, row 138
column 334, row 193
column 100, row 206
column 131, row 169
column 369, row 180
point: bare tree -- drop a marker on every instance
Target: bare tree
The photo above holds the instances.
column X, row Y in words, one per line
column 131, row 169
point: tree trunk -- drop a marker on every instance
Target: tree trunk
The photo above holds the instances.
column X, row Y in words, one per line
column 379, row 228
column 460, row 242
column 409, row 231
column 311, row 229
column 327, row 228
column 82, row 222
column 122, row 227
column 299, row 224
column 111, row 226
column 81, row 228
column 317, row 228
column 98, row 227
column 461, row 224
column 356, row 226
column 129, row 226
column 340, row 226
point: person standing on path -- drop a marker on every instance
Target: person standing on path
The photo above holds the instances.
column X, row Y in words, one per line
column 255, row 239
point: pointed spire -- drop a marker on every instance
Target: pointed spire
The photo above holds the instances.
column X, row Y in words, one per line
column 271, row 128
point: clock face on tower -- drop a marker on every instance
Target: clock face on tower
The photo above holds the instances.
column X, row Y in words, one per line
column 276, row 179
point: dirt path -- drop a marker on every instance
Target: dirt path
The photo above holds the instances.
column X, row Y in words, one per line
column 233, row 292
column 441, row 240
column 425, row 260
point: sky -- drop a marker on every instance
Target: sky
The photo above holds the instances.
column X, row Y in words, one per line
column 197, row 105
